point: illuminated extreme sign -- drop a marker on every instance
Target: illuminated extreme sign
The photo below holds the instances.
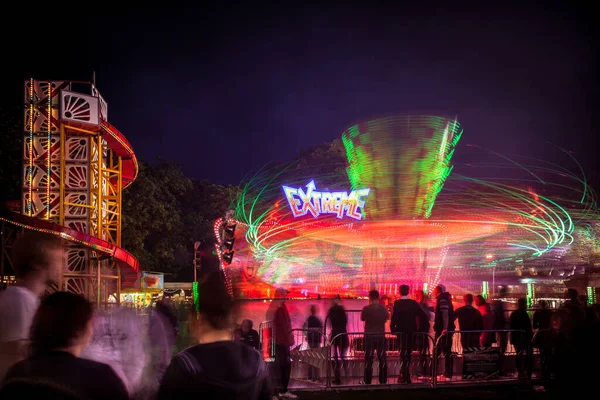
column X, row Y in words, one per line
column 312, row 201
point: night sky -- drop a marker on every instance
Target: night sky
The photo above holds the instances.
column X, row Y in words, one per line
column 201, row 86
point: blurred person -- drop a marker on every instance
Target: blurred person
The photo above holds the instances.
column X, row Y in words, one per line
column 444, row 323
column 121, row 340
column 61, row 328
column 284, row 339
column 237, row 335
column 486, row 339
column 163, row 335
column 375, row 315
column 314, row 325
column 338, row 319
column 407, row 316
column 500, row 321
column 249, row 335
column 519, row 322
column 542, row 318
column 38, row 261
column 388, row 303
column 217, row 367
column 469, row 319
column 542, row 324
column 422, row 341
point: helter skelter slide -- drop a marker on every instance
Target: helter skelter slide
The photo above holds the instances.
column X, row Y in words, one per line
column 75, row 166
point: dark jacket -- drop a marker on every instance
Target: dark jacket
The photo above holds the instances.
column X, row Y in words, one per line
column 520, row 321
column 251, row 338
column 443, row 307
column 219, row 370
column 408, row 316
column 469, row 318
column 283, row 327
column 86, row 379
column 315, row 329
column 338, row 319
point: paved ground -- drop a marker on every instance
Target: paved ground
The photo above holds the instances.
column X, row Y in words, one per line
column 463, row 393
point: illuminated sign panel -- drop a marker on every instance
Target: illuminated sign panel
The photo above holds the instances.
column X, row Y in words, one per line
column 316, row 203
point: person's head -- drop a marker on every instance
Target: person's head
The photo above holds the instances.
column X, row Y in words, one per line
column 38, row 257
column 571, row 294
column 479, row 300
column 247, row 325
column 522, row 303
column 468, row 299
column 237, row 334
column 420, row 296
column 439, row 289
column 373, row 296
column 336, row 300
column 403, row 290
column 543, row 304
column 313, row 310
column 281, row 293
column 62, row 322
column 214, row 308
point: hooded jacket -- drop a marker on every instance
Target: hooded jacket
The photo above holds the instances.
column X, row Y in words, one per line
column 444, row 309
column 219, row 370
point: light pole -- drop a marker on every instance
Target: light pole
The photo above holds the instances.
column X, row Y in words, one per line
column 197, row 259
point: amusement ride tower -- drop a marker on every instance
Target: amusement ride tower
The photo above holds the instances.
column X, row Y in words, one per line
column 75, row 166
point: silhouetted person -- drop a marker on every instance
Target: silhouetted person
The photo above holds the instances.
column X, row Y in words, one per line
column 62, row 327
column 500, row 322
column 284, row 339
column 486, row 339
column 38, row 261
column 406, row 318
column 313, row 337
column 339, row 340
column 444, row 322
column 163, row 335
column 249, row 335
column 422, row 341
column 542, row 322
column 469, row 319
column 237, row 335
column 375, row 315
column 217, row 368
column 519, row 321
column 542, row 318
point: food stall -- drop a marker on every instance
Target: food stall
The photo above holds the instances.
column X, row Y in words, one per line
column 147, row 290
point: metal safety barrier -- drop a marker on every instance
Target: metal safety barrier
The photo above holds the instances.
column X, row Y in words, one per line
column 461, row 356
column 266, row 332
column 401, row 358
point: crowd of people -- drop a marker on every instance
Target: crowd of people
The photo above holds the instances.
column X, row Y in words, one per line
column 564, row 337
column 47, row 346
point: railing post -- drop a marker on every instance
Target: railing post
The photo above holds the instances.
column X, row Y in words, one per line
column 328, row 373
column 434, row 366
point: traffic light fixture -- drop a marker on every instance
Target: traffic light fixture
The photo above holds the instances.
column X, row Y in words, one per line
column 197, row 259
column 228, row 241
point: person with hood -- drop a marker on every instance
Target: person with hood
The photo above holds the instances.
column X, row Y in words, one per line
column 443, row 323
column 217, row 367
